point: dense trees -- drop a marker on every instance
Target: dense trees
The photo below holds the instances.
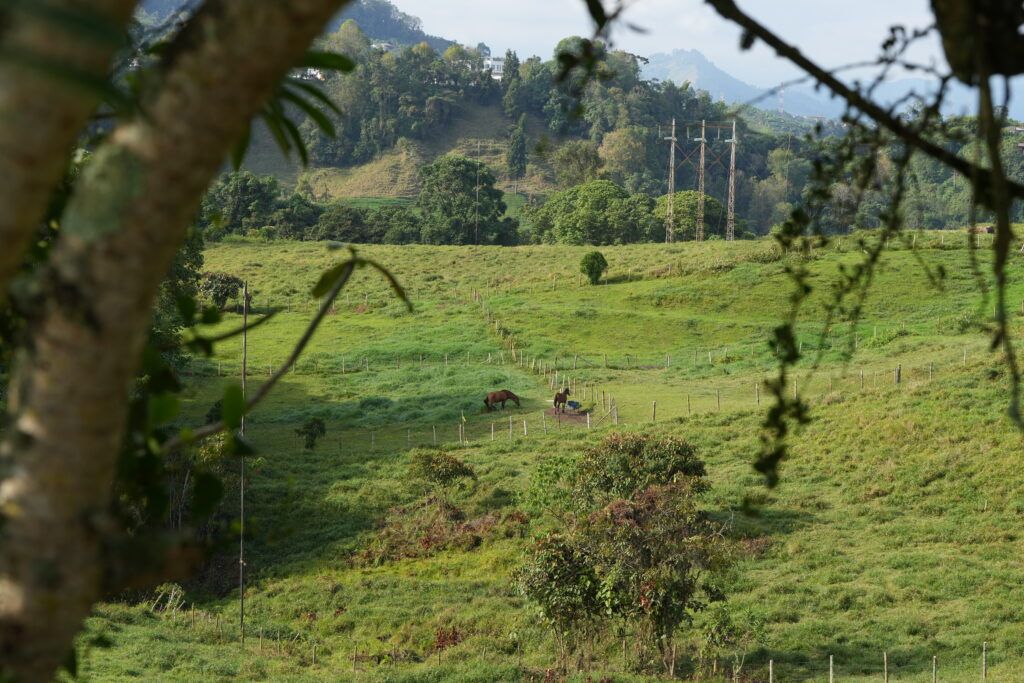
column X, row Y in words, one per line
column 410, row 93
column 460, row 204
column 598, row 212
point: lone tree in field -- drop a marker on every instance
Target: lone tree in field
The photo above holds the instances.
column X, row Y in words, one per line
column 593, row 265
column 311, row 431
column 219, row 288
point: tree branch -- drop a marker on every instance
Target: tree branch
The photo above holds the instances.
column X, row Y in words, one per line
column 983, row 177
column 282, row 370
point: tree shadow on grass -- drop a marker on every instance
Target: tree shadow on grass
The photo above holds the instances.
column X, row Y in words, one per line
column 307, row 505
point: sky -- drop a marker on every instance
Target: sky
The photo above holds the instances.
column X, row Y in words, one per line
column 833, row 32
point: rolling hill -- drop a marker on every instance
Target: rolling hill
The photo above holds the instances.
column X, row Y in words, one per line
column 896, row 527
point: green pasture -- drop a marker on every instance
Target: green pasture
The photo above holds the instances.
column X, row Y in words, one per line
column 896, row 528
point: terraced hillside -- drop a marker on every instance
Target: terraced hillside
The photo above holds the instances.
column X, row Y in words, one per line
column 896, row 529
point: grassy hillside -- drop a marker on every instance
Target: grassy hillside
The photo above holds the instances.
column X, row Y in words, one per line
column 479, row 132
column 897, row 527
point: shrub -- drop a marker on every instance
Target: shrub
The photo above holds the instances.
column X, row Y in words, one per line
column 593, row 265
column 559, row 579
column 433, row 524
column 654, row 557
column 311, row 430
column 626, row 463
column 439, row 467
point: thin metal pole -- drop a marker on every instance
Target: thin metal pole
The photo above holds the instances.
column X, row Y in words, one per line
column 241, row 470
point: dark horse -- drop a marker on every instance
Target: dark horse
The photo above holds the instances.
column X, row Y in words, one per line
column 500, row 397
column 560, row 398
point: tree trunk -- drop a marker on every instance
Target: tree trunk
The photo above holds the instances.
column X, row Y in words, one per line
column 70, row 389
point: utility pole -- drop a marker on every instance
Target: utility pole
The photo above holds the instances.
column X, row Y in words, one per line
column 476, row 216
column 730, row 223
column 241, row 470
column 700, row 185
column 670, row 216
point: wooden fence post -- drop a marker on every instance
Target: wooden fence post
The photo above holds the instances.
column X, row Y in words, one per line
column 433, row 428
column 771, row 671
column 718, row 397
column 509, row 427
column 984, row 660
column 492, row 431
column 588, row 420
column 757, row 392
column 831, row 677
column 654, row 411
column 885, row 667
column 524, row 427
column 688, row 411
column 897, row 374
column 935, row 669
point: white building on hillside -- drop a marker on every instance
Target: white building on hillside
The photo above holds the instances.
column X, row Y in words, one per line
column 496, row 65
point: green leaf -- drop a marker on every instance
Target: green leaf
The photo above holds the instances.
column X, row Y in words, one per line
column 241, row 148
column 316, row 93
column 232, row 406
column 315, row 59
column 321, row 119
column 162, row 409
column 329, row 279
column 292, row 131
column 597, row 12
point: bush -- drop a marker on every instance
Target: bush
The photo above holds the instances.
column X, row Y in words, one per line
column 311, row 430
column 439, row 467
column 593, row 265
column 626, row 463
column 560, row 580
column 433, row 524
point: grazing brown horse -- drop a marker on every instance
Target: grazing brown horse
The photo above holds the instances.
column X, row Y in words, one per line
column 560, row 398
column 500, row 397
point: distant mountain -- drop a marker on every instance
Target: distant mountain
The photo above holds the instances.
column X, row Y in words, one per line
column 691, row 66
column 381, row 20
column 378, row 19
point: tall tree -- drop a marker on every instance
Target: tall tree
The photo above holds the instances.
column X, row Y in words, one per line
column 515, row 156
column 128, row 215
column 461, row 205
column 510, row 70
